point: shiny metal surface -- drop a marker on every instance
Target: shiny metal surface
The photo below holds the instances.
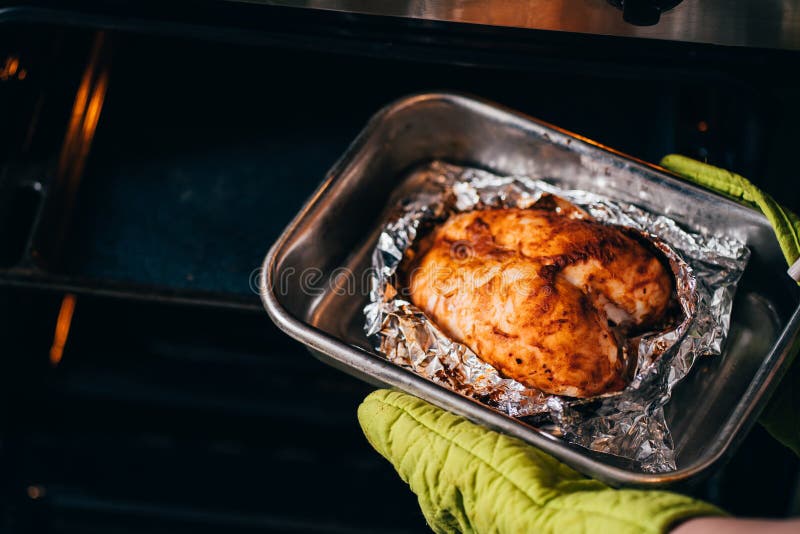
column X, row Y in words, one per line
column 628, row 424
column 752, row 23
column 710, row 411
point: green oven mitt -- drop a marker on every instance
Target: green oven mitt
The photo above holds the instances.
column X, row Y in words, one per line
column 781, row 417
column 471, row 479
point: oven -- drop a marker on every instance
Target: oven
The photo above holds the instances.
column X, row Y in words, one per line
column 151, row 153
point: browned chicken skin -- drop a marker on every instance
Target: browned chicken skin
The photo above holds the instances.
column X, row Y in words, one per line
column 539, row 295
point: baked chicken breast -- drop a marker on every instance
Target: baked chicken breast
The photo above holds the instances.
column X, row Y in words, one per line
column 543, row 296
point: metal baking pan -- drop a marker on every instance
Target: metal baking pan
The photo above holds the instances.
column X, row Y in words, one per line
column 306, row 294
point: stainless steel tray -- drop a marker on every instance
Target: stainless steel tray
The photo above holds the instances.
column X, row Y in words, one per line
column 307, row 296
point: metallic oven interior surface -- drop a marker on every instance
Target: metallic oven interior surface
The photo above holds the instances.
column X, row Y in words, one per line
column 773, row 24
column 710, row 411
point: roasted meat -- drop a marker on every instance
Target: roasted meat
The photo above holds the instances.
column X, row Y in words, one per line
column 543, row 296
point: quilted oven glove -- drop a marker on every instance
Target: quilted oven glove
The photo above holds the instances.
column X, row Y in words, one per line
column 471, row 479
column 781, row 417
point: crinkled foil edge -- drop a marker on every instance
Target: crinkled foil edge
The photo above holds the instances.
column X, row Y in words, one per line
column 629, row 424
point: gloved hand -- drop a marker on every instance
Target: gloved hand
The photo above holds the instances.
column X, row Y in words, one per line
column 471, row 479
column 781, row 417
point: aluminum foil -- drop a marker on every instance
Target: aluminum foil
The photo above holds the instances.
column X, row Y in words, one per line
column 629, row 424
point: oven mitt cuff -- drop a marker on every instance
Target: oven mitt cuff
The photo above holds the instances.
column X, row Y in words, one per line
column 785, row 223
column 781, row 417
column 471, row 479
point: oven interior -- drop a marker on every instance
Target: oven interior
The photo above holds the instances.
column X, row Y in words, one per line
column 145, row 169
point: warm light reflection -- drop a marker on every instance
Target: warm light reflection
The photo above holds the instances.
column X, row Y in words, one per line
column 86, row 110
column 36, row 492
column 76, row 118
column 93, row 109
column 10, row 69
column 85, row 116
column 63, row 324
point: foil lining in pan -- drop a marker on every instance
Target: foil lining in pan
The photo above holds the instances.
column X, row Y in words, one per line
column 630, row 423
